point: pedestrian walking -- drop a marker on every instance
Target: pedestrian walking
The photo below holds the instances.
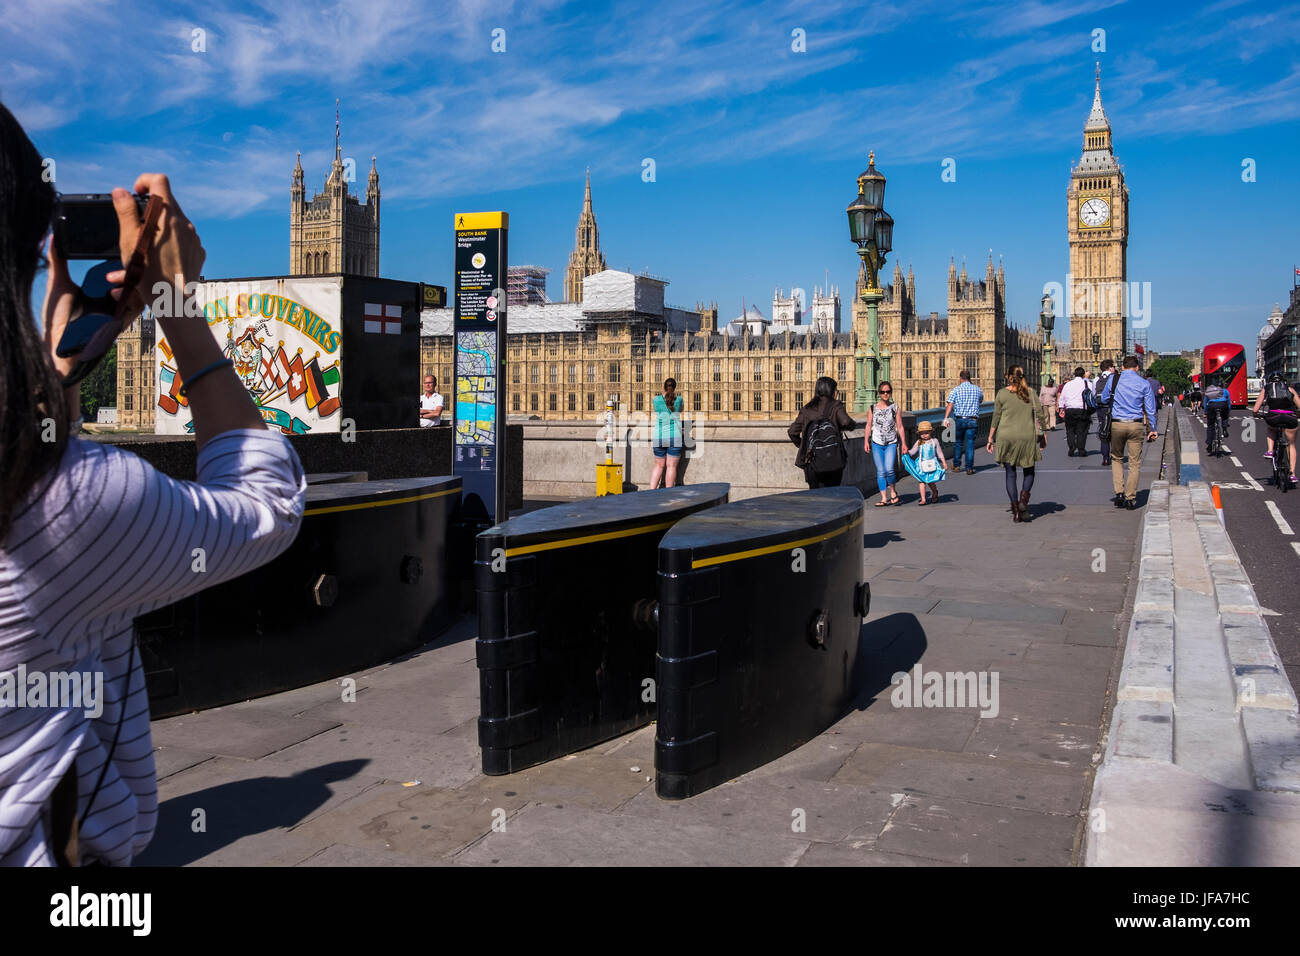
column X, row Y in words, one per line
column 1019, row 435
column 883, row 439
column 963, row 410
column 667, row 447
column 1133, row 405
column 91, row 536
column 924, row 460
column 1072, row 400
column 1047, row 398
column 1103, row 396
column 818, row 431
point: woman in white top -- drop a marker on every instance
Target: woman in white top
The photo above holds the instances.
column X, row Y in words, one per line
column 91, row 536
column 884, row 438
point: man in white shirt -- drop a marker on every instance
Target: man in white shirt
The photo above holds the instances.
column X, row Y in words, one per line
column 1076, row 414
column 430, row 404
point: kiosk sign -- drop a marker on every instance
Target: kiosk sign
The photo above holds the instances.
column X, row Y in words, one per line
column 479, row 330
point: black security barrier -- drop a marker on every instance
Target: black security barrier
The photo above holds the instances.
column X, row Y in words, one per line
column 365, row 581
column 336, row 477
column 760, row 607
column 566, row 643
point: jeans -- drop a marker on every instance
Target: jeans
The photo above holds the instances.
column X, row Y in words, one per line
column 966, row 429
column 886, row 459
column 1076, row 429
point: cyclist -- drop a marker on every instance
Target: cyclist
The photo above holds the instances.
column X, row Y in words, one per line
column 1217, row 402
column 1283, row 412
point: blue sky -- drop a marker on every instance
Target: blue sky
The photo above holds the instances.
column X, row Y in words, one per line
column 756, row 147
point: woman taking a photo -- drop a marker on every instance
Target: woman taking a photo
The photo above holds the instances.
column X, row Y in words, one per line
column 1018, row 432
column 818, row 431
column 91, row 536
column 667, row 446
column 883, row 439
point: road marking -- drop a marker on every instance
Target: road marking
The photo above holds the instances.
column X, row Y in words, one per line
column 1251, row 481
column 1235, row 486
column 1235, row 463
column 1296, row 546
column 1277, row 517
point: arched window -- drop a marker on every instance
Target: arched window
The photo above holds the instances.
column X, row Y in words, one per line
column 327, row 262
column 316, row 271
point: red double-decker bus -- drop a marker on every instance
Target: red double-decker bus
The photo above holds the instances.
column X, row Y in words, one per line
column 1224, row 363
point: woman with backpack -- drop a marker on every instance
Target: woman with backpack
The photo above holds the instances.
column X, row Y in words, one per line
column 884, row 438
column 817, row 432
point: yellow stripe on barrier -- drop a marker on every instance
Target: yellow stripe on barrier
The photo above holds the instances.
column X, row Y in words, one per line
column 587, row 539
column 772, row 549
column 378, row 504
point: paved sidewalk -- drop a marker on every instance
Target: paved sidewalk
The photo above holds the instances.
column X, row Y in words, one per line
column 305, row 778
column 1202, row 764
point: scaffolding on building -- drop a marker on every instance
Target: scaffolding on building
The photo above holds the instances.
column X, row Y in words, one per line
column 526, row 285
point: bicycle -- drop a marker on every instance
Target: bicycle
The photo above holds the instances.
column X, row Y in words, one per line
column 1281, row 458
column 1216, row 436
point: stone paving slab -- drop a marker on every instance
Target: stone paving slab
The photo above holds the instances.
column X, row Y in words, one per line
column 248, row 733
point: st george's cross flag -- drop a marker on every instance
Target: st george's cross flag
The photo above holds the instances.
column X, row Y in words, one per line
column 383, row 318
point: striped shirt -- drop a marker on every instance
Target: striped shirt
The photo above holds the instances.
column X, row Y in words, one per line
column 97, row 542
column 966, row 400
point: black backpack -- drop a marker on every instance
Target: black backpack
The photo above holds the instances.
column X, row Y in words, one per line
column 1089, row 399
column 825, row 445
column 1279, row 393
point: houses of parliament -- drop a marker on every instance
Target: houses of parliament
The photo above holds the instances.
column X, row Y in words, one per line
column 614, row 334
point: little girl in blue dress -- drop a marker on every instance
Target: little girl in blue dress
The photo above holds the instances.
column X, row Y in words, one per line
column 924, row 461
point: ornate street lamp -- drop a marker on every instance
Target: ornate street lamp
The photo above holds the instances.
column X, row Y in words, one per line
column 1096, row 348
column 872, row 231
column 1047, row 321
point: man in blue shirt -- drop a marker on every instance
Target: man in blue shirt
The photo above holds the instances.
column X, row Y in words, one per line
column 1133, row 419
column 964, row 403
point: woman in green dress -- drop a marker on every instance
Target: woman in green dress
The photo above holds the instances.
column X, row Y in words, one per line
column 1018, row 433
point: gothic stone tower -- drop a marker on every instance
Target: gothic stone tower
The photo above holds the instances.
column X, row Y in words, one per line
column 586, row 258
column 1097, row 224
column 334, row 232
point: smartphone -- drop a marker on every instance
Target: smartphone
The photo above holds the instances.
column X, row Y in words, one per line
column 86, row 226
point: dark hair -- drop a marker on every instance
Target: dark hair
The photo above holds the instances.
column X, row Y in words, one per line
column 1107, row 363
column 964, row 373
column 1051, row 382
column 825, row 388
column 670, row 383
column 1078, row 372
column 1131, row 361
column 880, row 394
column 30, row 389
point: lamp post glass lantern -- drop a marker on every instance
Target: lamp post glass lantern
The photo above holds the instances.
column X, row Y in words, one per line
column 872, row 230
column 1047, row 320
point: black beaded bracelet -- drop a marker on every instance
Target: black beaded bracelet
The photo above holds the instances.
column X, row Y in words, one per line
column 202, row 372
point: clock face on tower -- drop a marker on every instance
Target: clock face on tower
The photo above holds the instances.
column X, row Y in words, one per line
column 1094, row 212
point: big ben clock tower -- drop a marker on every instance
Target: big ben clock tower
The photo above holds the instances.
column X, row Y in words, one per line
column 1097, row 218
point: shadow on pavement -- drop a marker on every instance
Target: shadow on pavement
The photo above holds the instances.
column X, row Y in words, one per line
column 886, row 646
column 878, row 539
column 239, row 809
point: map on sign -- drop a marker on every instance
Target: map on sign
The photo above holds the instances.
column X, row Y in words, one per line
column 476, row 388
